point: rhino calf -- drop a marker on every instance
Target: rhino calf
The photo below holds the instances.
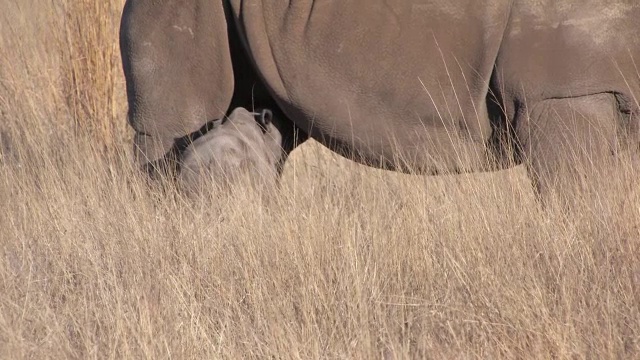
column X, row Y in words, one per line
column 246, row 144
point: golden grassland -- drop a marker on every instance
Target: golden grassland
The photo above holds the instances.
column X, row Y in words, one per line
column 343, row 262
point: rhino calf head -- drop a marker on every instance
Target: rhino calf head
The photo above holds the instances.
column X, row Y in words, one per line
column 246, row 144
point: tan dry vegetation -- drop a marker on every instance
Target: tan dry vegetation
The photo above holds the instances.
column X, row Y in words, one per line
column 344, row 262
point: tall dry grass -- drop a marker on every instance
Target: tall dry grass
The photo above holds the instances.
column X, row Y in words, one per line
column 91, row 66
column 60, row 61
column 344, row 262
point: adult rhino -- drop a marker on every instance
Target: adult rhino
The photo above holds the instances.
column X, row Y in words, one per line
column 432, row 86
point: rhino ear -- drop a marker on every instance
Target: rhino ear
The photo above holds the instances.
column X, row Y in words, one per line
column 264, row 118
column 177, row 67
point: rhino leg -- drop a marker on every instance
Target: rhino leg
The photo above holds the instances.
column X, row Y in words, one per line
column 568, row 142
column 178, row 71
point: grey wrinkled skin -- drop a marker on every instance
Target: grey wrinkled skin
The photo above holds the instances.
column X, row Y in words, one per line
column 236, row 148
column 428, row 86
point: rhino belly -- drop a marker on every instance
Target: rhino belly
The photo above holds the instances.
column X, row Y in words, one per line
column 401, row 86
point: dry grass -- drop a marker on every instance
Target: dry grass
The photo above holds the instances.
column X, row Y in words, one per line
column 346, row 262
